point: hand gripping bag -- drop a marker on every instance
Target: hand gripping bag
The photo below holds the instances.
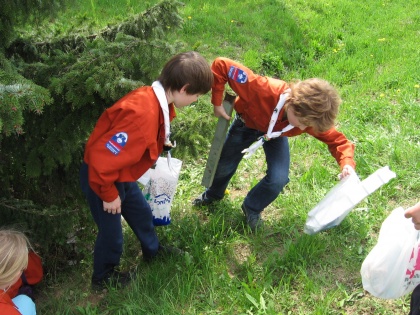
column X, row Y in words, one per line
column 392, row 268
column 160, row 186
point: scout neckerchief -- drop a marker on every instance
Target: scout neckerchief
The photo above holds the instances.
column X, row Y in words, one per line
column 161, row 96
column 270, row 135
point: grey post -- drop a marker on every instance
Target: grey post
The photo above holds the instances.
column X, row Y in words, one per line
column 218, row 141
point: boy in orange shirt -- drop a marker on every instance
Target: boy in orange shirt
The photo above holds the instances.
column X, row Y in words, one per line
column 268, row 111
column 126, row 141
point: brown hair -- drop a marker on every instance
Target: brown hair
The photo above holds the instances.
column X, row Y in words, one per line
column 13, row 255
column 188, row 68
column 315, row 103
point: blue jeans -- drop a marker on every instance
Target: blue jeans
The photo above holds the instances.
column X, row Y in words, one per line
column 415, row 301
column 109, row 241
column 277, row 157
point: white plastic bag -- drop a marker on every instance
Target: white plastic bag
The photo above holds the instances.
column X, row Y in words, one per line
column 342, row 198
column 160, row 186
column 392, row 267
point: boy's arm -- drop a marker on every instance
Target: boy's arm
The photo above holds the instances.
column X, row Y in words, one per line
column 105, row 164
column 414, row 213
column 236, row 75
column 219, row 111
column 346, row 171
column 339, row 146
column 113, row 207
column 219, row 69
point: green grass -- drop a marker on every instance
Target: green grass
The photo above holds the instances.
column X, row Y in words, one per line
column 369, row 51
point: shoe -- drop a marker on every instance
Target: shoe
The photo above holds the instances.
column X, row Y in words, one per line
column 163, row 252
column 253, row 218
column 202, row 200
column 114, row 279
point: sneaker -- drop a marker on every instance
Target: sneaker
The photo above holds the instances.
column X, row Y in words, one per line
column 202, row 200
column 163, row 252
column 253, row 218
column 114, row 279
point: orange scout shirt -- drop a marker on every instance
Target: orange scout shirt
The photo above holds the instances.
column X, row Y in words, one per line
column 33, row 274
column 126, row 141
column 257, row 96
column 7, row 307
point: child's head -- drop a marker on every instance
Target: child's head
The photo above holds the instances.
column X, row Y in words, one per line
column 13, row 256
column 315, row 103
column 187, row 69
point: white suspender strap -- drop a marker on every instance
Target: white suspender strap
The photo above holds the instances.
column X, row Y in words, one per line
column 161, row 96
column 270, row 134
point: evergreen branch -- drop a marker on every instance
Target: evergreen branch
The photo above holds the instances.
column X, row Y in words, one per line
column 144, row 26
column 42, row 152
column 14, row 88
column 17, row 95
column 128, row 50
column 18, row 13
column 27, row 206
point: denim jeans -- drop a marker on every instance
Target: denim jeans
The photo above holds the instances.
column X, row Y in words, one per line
column 109, row 241
column 415, row 301
column 277, row 157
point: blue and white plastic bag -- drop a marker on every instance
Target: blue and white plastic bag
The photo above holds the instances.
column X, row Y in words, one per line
column 159, row 188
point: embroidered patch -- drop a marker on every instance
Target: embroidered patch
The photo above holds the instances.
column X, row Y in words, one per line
column 117, row 142
column 237, row 74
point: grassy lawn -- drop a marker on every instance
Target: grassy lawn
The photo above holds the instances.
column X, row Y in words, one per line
column 370, row 51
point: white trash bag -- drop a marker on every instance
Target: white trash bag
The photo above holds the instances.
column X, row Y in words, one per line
column 342, row 198
column 159, row 188
column 392, row 268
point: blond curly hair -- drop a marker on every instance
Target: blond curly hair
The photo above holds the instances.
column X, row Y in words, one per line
column 315, row 103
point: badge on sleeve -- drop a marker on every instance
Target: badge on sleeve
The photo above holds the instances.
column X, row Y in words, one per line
column 117, row 142
column 237, row 75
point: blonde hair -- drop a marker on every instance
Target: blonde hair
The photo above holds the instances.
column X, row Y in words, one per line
column 315, row 103
column 14, row 247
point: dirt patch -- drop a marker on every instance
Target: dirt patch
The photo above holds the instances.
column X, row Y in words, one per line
column 240, row 254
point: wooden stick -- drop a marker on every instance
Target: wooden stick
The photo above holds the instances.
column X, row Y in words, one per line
column 218, row 141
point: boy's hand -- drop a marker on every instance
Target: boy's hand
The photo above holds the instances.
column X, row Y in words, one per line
column 414, row 213
column 346, row 171
column 113, row 207
column 219, row 111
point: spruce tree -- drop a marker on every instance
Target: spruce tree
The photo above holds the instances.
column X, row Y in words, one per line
column 52, row 93
column 17, row 93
